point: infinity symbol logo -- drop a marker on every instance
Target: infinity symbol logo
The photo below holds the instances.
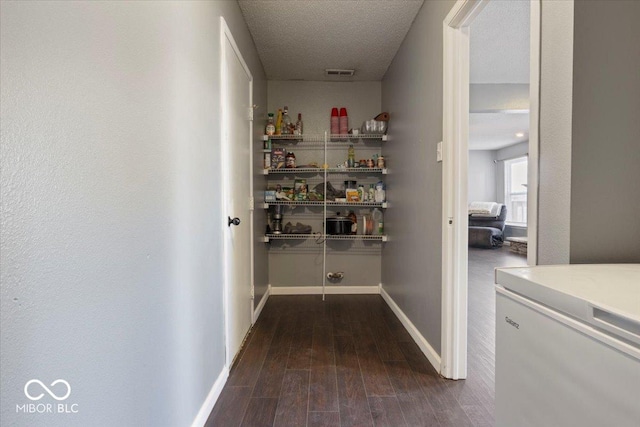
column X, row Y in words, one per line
column 52, row 394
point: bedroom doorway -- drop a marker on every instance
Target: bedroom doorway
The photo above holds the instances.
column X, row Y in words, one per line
column 490, row 129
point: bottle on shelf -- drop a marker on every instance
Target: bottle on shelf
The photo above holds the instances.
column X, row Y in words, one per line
column 299, row 125
column 351, row 160
column 371, row 193
column 380, row 192
column 286, row 122
column 378, row 221
column 361, row 193
column 344, row 121
column 354, row 222
column 335, row 122
column 271, row 127
column 279, row 123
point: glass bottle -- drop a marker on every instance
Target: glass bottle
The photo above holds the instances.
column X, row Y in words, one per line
column 378, row 221
column 286, row 122
column 279, row 123
column 271, row 127
column 299, row 125
column 351, row 160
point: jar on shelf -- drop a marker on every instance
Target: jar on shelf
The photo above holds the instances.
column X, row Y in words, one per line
column 290, row 160
column 271, row 127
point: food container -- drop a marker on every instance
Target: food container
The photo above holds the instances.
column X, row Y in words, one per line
column 339, row 225
column 374, row 127
column 351, row 185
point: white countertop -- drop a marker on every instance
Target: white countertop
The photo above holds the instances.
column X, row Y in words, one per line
column 611, row 287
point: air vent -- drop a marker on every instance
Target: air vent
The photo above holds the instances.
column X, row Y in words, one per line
column 339, row 72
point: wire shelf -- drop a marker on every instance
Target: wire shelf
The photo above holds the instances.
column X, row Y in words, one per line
column 342, row 138
column 281, row 171
column 318, row 236
column 320, row 138
column 321, row 203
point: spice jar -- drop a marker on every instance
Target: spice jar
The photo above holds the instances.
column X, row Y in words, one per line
column 380, row 162
column 290, row 160
column 369, row 163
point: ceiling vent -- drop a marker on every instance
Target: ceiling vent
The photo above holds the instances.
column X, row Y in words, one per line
column 339, row 72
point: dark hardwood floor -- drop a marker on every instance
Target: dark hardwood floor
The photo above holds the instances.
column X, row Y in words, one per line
column 348, row 361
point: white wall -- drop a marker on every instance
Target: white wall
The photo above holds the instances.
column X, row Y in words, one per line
column 556, row 83
column 412, row 94
column 495, row 97
column 111, row 241
column 482, row 176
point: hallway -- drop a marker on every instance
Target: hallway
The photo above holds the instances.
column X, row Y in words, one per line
column 349, row 361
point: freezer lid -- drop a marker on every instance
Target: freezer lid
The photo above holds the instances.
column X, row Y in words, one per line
column 604, row 295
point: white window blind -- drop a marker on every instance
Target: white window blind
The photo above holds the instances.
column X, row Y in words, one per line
column 515, row 185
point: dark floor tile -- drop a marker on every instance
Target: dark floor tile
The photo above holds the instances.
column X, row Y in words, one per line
column 269, row 380
column 230, row 407
column 293, row 403
column 385, row 341
column 323, row 389
column 322, row 348
column 352, row 397
column 386, row 412
column 301, row 343
column 323, row 419
column 374, row 373
column 260, row 412
column 247, row 368
column 416, row 408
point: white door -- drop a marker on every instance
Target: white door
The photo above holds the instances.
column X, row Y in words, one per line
column 236, row 160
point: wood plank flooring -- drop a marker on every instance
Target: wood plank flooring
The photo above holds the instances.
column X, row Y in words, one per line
column 348, row 361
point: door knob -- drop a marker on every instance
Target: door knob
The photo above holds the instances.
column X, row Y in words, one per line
column 234, row 221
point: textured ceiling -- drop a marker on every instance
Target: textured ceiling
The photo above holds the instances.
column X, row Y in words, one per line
column 492, row 131
column 500, row 43
column 299, row 39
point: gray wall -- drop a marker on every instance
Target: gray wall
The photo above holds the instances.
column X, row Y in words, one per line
column 412, row 94
column 556, row 79
column 605, row 151
column 111, row 245
column 482, row 176
column 293, row 263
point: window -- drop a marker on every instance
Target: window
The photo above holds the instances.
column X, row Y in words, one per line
column 515, row 186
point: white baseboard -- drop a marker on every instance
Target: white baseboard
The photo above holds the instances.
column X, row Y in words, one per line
column 263, row 301
column 329, row 290
column 212, row 398
column 425, row 347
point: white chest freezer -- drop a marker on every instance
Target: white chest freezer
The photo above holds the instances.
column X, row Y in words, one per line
column 568, row 346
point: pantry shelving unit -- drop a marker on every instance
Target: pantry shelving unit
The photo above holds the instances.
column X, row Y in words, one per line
column 319, row 236
column 326, row 143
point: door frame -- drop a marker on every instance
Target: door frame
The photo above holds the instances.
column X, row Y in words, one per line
column 455, row 134
column 226, row 35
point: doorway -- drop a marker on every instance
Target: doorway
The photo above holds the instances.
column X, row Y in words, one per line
column 456, row 127
column 236, row 132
